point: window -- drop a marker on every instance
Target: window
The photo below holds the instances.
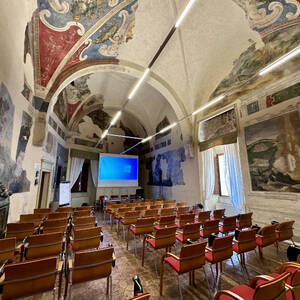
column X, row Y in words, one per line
column 81, row 183
column 220, row 183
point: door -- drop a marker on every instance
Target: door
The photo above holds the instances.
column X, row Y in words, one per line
column 44, row 189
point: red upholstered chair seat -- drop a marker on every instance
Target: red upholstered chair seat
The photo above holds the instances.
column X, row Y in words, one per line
column 242, row 290
column 179, row 237
column 151, row 242
column 174, row 263
column 133, row 230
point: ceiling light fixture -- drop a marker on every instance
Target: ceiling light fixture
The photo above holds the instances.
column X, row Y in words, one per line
column 168, row 127
column 187, row 8
column 147, row 139
column 104, row 134
column 280, row 61
column 132, row 93
column 210, row 103
column 115, row 118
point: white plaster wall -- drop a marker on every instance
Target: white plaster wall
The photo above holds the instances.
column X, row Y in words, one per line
column 12, row 74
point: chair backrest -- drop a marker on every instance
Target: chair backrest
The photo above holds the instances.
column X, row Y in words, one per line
column 156, row 206
column 44, row 245
column 244, row 220
column 229, row 224
column 137, row 201
column 165, row 237
column 124, row 196
column 169, row 205
column 222, row 248
column 7, row 249
column 186, row 218
column 158, row 202
column 84, row 222
column 141, row 207
column 167, row 211
column 181, row 204
column 268, row 234
column 19, row 230
column 90, row 208
column 151, row 213
column 67, row 209
column 170, row 201
column 131, row 217
column 86, row 238
column 284, row 231
column 247, row 240
column 192, row 256
column 34, row 218
column 144, row 225
column 114, row 197
column 148, row 200
column 210, row 227
column 183, row 210
column 167, row 221
column 81, row 213
column 28, row 278
column 92, row 264
column 58, row 215
column 274, row 289
column 191, row 231
column 203, row 216
column 42, row 211
column 218, row 213
column 59, row 225
column 121, row 211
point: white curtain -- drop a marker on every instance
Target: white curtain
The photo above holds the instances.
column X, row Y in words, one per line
column 94, row 171
column 208, row 176
column 76, row 168
column 233, row 176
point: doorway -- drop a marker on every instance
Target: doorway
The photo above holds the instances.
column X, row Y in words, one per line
column 44, row 190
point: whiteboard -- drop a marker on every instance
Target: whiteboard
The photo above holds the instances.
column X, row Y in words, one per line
column 64, row 193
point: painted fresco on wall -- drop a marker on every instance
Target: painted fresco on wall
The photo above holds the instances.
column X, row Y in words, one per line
column 273, row 148
column 51, row 144
column 61, row 109
column 220, row 125
column 27, row 92
column 251, row 61
column 165, row 169
column 19, row 182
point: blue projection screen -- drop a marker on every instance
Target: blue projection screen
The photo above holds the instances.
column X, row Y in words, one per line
column 117, row 170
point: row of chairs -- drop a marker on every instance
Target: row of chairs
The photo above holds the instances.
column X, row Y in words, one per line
column 282, row 285
column 46, row 255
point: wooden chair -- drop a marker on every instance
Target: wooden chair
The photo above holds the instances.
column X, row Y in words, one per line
column 169, row 205
column 244, row 242
column 165, row 221
column 151, row 213
column 209, row 227
column 124, row 197
column 244, row 220
column 141, row 227
column 31, row 277
column 170, row 201
column 203, row 216
column 58, row 215
column 7, row 250
column 266, row 236
column 84, row 239
column 90, row 265
column 65, row 209
column 36, row 219
column 181, row 204
column 185, row 219
column 218, row 214
column 162, row 238
column 191, row 258
column 284, row 231
column 42, row 211
column 141, row 207
column 84, row 222
column 81, row 213
column 156, row 206
column 189, row 231
column 120, row 214
column 137, row 201
column 128, row 219
column 167, row 212
column 89, row 208
column 181, row 210
column 227, row 225
column 19, row 230
column 59, row 225
column 272, row 289
column 220, row 250
column 44, row 245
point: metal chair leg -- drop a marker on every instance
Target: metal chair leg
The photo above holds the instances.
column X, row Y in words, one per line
column 53, row 293
column 208, row 286
column 179, row 288
column 110, row 289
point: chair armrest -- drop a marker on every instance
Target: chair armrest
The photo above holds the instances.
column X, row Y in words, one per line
column 284, row 266
column 150, row 236
column 209, row 249
column 60, row 265
column 2, row 278
column 255, row 279
column 229, row 293
column 173, row 255
column 179, row 232
column 258, row 235
column 70, row 237
column 18, row 247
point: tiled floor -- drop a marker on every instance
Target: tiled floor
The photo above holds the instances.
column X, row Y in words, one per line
column 127, row 265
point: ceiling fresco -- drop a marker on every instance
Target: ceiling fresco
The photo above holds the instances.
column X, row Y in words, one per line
column 70, row 31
